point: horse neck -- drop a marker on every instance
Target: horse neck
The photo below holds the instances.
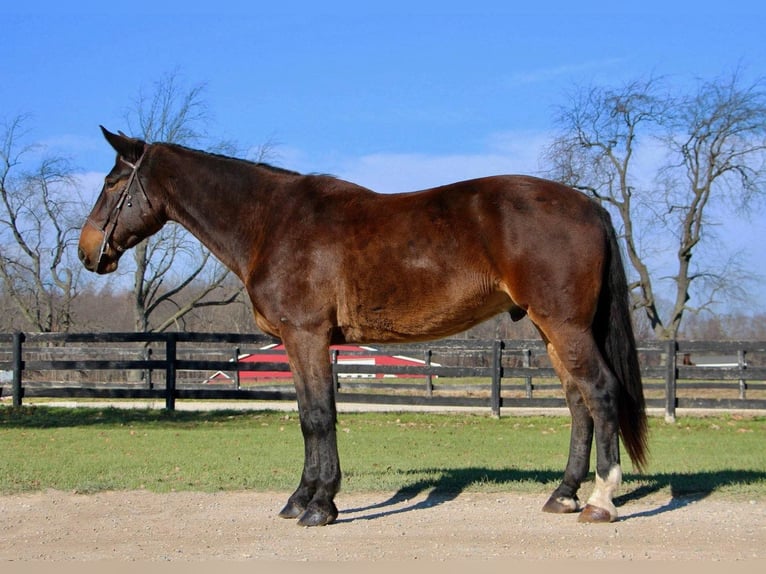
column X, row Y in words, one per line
column 221, row 201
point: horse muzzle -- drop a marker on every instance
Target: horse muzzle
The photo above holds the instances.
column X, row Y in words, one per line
column 95, row 255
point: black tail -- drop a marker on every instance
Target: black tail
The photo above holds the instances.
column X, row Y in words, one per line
column 613, row 328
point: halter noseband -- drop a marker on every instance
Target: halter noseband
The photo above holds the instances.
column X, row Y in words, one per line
column 125, row 195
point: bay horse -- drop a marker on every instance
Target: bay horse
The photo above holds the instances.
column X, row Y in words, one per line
column 325, row 261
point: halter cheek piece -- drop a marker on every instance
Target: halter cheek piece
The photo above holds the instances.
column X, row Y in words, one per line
column 126, row 196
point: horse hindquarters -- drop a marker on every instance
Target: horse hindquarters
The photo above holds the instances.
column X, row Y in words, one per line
column 600, row 372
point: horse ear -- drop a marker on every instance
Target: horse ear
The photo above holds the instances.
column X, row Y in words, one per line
column 129, row 148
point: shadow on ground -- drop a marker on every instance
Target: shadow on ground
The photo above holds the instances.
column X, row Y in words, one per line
column 62, row 417
column 684, row 489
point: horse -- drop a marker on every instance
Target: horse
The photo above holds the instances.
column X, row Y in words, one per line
column 325, row 261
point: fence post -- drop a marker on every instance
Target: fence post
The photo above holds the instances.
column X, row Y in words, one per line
column 497, row 375
column 237, row 379
column 148, row 357
column 742, row 365
column 526, row 358
column 671, row 377
column 18, row 367
column 170, row 371
column 335, row 379
column 429, row 378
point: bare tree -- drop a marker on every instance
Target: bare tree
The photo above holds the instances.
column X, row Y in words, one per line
column 664, row 164
column 717, row 139
column 39, row 219
column 164, row 292
column 167, row 264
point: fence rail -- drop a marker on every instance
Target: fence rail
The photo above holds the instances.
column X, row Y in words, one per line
column 480, row 373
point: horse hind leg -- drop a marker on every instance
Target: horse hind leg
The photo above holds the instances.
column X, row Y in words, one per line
column 592, row 395
column 564, row 499
column 603, row 401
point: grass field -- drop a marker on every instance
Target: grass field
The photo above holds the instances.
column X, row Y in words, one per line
column 94, row 449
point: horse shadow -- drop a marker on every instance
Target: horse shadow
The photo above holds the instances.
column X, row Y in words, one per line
column 448, row 484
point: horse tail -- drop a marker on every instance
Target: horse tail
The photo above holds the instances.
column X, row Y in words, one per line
column 613, row 329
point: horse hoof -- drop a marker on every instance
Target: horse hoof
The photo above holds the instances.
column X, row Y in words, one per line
column 561, row 505
column 315, row 516
column 595, row 514
column 291, row 510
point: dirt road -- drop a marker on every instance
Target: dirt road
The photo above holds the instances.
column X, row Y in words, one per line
column 243, row 526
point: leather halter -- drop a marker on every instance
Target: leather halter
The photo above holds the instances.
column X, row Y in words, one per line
column 126, row 195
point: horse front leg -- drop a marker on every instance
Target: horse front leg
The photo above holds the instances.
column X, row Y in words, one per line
column 312, row 503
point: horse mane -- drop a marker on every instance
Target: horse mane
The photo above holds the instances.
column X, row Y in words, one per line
column 260, row 164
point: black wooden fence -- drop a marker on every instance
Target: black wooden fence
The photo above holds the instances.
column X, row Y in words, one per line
column 477, row 373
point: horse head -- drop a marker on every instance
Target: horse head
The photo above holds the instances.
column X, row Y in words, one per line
column 123, row 214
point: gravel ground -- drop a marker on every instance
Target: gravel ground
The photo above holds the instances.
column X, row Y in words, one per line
column 243, row 526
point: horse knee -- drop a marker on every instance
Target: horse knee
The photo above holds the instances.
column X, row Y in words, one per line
column 318, row 420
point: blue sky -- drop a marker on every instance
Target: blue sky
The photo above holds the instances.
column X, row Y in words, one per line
column 391, row 97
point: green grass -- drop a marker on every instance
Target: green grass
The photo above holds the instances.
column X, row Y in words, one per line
column 93, row 449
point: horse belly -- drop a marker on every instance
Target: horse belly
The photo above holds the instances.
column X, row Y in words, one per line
column 424, row 315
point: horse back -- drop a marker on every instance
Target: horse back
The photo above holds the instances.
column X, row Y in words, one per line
column 421, row 265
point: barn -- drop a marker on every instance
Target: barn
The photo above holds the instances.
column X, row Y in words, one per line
column 346, row 355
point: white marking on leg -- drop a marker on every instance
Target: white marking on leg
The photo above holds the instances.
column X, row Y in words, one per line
column 605, row 489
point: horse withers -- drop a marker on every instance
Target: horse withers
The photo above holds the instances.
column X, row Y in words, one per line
column 326, row 261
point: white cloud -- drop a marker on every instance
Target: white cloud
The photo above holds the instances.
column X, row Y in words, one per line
column 505, row 153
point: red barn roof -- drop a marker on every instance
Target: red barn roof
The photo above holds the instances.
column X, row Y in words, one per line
column 347, row 354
